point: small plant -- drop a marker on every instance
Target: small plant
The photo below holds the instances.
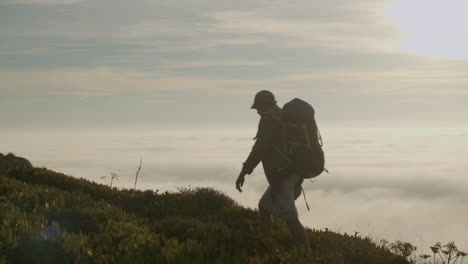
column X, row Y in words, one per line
column 404, row 249
column 384, row 243
column 112, row 177
column 138, row 171
column 448, row 254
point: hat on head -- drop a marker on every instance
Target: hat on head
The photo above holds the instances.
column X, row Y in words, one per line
column 263, row 97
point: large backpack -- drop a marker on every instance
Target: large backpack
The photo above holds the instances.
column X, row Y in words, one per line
column 302, row 142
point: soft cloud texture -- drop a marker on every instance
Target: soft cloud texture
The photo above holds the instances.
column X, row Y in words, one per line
column 395, row 183
column 103, row 63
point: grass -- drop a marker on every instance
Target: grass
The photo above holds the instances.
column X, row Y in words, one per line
column 49, row 217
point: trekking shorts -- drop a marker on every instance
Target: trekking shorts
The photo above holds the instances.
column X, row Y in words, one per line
column 278, row 199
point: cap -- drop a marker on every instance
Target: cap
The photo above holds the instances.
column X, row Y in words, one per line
column 263, row 97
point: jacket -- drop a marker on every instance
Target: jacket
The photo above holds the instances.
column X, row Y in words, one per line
column 268, row 139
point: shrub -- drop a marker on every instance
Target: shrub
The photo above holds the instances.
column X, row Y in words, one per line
column 84, row 222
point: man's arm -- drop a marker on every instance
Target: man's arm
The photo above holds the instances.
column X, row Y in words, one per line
column 263, row 142
column 261, row 146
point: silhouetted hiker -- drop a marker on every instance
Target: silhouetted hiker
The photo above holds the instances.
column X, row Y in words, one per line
column 284, row 186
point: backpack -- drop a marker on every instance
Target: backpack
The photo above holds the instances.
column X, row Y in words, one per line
column 302, row 142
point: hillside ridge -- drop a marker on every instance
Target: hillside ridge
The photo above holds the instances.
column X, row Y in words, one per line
column 49, row 217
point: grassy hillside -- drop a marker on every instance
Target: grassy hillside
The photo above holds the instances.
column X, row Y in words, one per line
column 48, row 217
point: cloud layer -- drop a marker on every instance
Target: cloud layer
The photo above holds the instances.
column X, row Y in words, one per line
column 395, row 183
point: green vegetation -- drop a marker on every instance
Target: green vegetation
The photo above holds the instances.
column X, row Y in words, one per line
column 48, row 217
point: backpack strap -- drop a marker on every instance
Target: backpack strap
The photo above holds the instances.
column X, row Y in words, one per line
column 284, row 156
column 305, row 200
column 306, row 133
column 319, row 137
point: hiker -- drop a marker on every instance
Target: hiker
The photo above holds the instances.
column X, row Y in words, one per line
column 284, row 186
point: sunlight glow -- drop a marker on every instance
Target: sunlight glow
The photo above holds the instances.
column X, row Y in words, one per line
column 431, row 27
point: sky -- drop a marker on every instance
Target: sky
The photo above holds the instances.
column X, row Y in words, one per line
column 196, row 64
column 90, row 87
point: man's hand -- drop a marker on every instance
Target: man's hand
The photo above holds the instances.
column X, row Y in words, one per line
column 240, row 181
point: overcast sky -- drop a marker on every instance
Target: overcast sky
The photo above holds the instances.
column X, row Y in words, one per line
column 149, row 63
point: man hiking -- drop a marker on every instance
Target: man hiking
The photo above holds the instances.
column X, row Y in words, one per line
column 284, row 185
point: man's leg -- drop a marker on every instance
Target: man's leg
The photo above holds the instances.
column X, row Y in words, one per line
column 298, row 233
column 265, row 222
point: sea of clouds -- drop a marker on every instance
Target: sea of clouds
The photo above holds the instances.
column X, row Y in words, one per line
column 400, row 183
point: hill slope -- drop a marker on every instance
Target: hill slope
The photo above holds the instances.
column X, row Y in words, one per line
column 48, row 217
